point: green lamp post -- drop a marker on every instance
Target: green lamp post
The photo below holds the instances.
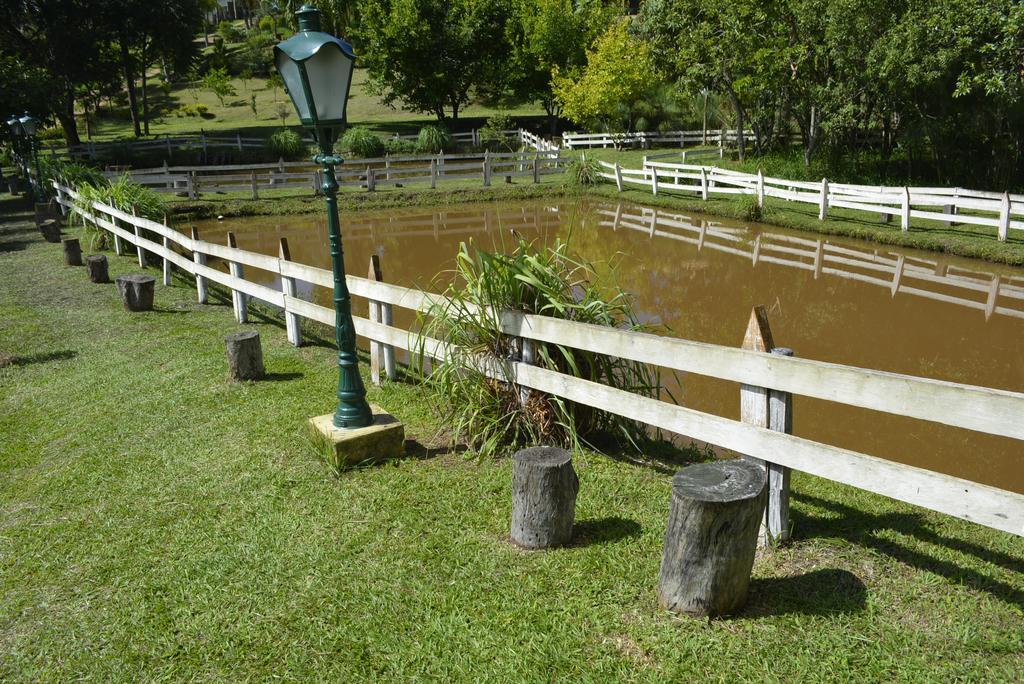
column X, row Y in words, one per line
column 29, row 125
column 316, row 69
column 14, row 123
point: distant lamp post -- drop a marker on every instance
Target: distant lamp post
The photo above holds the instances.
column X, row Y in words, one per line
column 14, row 124
column 29, row 126
column 316, row 69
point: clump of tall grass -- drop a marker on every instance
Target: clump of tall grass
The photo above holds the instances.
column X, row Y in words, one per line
column 491, row 415
column 584, row 171
column 124, row 194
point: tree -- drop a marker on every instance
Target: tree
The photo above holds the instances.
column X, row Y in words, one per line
column 57, row 45
column 549, row 34
column 218, row 82
column 429, row 54
column 735, row 46
column 619, row 71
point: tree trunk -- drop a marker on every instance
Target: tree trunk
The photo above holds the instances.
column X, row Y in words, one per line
column 145, row 94
column 711, row 537
column 129, row 81
column 66, row 115
column 741, row 123
column 813, row 131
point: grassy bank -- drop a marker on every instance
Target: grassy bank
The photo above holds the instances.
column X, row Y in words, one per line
column 160, row 522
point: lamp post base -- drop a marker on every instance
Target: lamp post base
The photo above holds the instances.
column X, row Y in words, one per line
column 381, row 440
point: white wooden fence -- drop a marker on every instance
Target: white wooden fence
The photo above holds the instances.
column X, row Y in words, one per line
column 949, row 205
column 720, row 137
column 762, row 374
column 92, row 149
column 365, row 173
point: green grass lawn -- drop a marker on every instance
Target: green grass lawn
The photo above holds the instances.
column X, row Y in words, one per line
column 236, row 114
column 160, row 522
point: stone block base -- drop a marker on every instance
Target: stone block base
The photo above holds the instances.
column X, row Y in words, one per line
column 381, row 440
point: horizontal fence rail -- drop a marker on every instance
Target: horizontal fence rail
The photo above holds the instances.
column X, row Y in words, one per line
column 949, row 205
column 981, row 409
column 721, row 137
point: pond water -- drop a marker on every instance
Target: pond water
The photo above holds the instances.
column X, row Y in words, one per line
column 831, row 299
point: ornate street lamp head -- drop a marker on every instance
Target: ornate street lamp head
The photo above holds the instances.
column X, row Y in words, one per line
column 29, row 124
column 316, row 69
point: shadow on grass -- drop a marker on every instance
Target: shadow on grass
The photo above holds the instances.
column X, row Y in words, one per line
column 12, row 245
column 40, row 357
column 282, row 377
column 415, row 449
column 604, row 531
column 828, row 591
column 860, row 527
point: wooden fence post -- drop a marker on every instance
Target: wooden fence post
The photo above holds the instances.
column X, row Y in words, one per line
column 780, row 419
column 905, row 210
column 239, row 300
column 536, row 169
column 433, row 174
column 190, row 179
column 168, row 183
column 371, row 179
column 167, row 262
column 380, row 312
column 1004, row 217
column 387, row 166
column 292, row 322
column 618, row 176
column 139, row 251
column 252, row 184
column 754, row 400
column 823, row 202
column 654, row 180
column 238, row 137
column 487, row 168
column 200, row 259
column 703, row 182
column 118, row 246
column 760, row 189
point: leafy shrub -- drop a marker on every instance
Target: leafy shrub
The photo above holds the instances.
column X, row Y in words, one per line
column 399, row 146
column 52, row 133
column 287, row 144
column 490, row 414
column 362, row 143
column 584, row 171
column 492, row 136
column 72, row 173
column 125, row 194
column 434, row 139
column 200, row 110
column 267, row 24
column 229, row 32
column 749, row 209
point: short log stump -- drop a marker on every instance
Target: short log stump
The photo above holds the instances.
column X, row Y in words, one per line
column 96, row 267
column 136, row 291
column 72, row 252
column 544, row 488
column 245, row 355
column 711, row 537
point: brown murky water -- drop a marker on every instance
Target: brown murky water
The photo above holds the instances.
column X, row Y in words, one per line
column 831, row 299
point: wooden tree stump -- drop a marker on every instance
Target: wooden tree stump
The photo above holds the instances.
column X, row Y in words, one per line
column 96, row 265
column 711, row 538
column 136, row 291
column 72, row 252
column 50, row 230
column 544, row 487
column 245, row 355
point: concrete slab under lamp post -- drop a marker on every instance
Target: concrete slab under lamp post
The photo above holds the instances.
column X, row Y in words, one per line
column 316, row 69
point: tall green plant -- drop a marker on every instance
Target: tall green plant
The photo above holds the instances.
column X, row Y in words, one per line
column 490, row 414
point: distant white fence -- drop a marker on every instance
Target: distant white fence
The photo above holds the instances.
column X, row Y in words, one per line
column 191, row 181
column 764, row 376
column 720, row 137
column 203, row 142
column 955, row 205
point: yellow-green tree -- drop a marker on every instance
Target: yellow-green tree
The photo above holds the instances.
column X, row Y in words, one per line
column 619, row 71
